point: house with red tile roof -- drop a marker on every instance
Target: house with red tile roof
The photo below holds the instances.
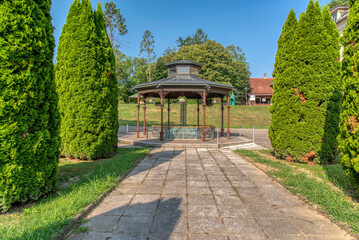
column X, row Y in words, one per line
column 261, row 91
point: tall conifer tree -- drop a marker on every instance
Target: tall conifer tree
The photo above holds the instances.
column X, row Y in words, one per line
column 86, row 85
column 29, row 121
column 306, row 131
column 349, row 118
column 282, row 85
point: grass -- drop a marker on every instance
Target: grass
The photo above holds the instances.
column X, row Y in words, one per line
column 326, row 186
column 80, row 183
column 244, row 116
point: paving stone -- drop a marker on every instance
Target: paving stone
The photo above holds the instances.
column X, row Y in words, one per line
column 197, row 184
column 202, row 211
column 172, row 210
column 242, row 226
column 228, row 200
column 248, row 191
column 317, row 227
column 288, row 237
column 223, row 191
column 207, row 237
column 235, row 211
column 141, row 210
column 128, row 236
column 277, row 227
column 150, row 190
column 242, row 184
column 218, row 183
column 248, row 237
column 255, row 200
column 200, row 200
column 303, row 213
column 153, row 183
column 168, row 236
column 285, row 201
column 142, row 198
column 169, row 224
column 134, row 225
column 175, row 184
column 206, row 225
column 199, row 190
column 101, row 223
column 347, row 237
column 89, row 236
column 265, row 212
column 174, row 190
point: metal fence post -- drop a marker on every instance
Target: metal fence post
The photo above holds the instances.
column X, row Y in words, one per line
column 127, row 129
column 240, row 130
column 217, row 138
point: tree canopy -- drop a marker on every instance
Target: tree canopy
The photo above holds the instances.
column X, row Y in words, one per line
column 87, row 85
column 115, row 23
column 29, row 119
column 147, row 47
column 199, row 37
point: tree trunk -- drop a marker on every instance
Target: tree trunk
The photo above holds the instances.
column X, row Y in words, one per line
column 149, row 67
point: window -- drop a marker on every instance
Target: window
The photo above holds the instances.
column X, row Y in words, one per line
column 183, row 69
column 334, row 16
column 172, row 70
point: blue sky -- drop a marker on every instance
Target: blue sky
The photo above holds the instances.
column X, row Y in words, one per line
column 255, row 26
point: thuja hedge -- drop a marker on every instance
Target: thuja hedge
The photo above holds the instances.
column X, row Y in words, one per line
column 306, row 101
column 86, row 84
column 29, row 119
column 349, row 119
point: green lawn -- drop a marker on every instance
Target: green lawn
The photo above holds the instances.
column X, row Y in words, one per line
column 244, row 116
column 326, row 186
column 80, row 183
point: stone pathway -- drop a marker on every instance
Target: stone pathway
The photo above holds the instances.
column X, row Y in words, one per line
column 203, row 194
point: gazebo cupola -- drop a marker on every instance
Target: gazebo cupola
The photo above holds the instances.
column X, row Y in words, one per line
column 183, row 68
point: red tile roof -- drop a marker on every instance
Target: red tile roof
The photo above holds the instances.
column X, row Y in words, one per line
column 261, row 86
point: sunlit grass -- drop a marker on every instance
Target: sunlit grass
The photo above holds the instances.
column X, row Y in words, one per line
column 314, row 182
column 86, row 181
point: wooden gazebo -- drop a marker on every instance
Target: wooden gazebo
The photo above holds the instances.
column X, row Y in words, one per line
column 183, row 80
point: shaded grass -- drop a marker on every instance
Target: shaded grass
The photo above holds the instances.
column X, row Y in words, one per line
column 314, row 182
column 49, row 215
column 244, row 116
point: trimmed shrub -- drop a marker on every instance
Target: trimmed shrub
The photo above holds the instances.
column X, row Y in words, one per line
column 282, row 86
column 29, row 119
column 349, row 118
column 86, row 85
column 306, row 104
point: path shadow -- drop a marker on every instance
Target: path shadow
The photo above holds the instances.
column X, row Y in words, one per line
column 156, row 219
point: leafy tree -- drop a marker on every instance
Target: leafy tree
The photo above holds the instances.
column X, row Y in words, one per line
column 349, row 131
column 199, row 37
column 115, row 22
column 130, row 71
column 29, row 118
column 283, row 69
column 335, row 3
column 307, row 131
column 219, row 64
column 147, row 46
column 87, row 86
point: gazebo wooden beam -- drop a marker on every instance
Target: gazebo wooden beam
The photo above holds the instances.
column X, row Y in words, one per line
column 228, row 108
column 161, row 133
column 222, row 110
column 138, row 115
column 144, row 117
column 204, row 116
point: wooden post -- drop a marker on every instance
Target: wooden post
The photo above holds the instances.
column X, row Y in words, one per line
column 144, row 118
column 204, row 116
column 197, row 116
column 161, row 133
column 169, row 109
column 222, row 109
column 228, row 108
column 138, row 115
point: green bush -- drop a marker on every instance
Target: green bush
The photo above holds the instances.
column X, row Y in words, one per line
column 86, row 84
column 349, row 131
column 29, row 119
column 306, row 104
